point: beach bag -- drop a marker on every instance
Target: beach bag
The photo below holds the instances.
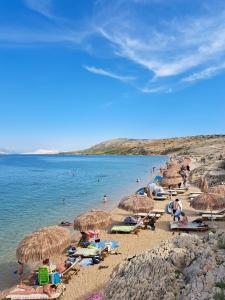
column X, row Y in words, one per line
column 97, row 259
column 55, row 278
column 43, row 276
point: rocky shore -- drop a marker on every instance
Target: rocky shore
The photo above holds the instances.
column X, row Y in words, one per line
column 185, row 267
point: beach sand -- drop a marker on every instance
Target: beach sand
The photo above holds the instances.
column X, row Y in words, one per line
column 91, row 279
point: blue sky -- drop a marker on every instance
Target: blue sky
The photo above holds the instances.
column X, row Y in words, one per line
column 74, row 73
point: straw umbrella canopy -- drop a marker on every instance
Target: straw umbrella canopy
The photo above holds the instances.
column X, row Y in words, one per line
column 186, row 161
column 137, row 203
column 171, row 178
column 217, row 189
column 43, row 244
column 174, row 165
column 203, row 184
column 94, row 219
column 208, row 201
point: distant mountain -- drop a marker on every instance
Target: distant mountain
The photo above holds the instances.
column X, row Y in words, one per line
column 43, row 151
column 201, row 144
column 4, row 151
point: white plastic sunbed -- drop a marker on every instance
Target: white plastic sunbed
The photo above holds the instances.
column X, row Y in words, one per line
column 189, row 227
column 214, row 212
column 160, row 198
column 213, row 217
column 43, row 296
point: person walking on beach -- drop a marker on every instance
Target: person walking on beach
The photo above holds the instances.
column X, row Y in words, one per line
column 177, row 208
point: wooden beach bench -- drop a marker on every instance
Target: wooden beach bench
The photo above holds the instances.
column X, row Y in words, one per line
column 175, row 226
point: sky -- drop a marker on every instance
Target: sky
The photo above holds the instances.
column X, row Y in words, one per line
column 75, row 73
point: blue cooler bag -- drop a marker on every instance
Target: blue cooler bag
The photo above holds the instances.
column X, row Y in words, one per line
column 55, row 278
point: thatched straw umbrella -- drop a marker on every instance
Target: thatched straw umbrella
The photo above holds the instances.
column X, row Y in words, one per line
column 203, row 184
column 94, row 219
column 174, row 165
column 208, row 201
column 43, row 244
column 171, row 178
column 186, row 161
column 217, row 189
column 137, row 203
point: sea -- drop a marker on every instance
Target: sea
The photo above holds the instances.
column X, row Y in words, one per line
column 42, row 190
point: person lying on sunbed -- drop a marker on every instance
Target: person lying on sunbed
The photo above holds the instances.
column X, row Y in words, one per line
column 184, row 219
column 48, row 289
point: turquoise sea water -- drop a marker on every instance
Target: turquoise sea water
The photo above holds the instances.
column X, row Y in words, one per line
column 40, row 190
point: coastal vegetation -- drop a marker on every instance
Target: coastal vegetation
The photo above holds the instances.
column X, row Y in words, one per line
column 196, row 145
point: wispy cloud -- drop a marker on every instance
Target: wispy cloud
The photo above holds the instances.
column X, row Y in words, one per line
column 43, row 7
column 165, row 50
column 204, row 74
column 103, row 72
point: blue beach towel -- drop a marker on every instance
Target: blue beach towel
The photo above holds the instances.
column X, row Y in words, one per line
column 101, row 244
column 86, row 262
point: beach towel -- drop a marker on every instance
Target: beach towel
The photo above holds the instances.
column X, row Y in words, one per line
column 130, row 220
column 123, row 228
column 86, row 262
column 96, row 296
column 85, row 252
column 102, row 244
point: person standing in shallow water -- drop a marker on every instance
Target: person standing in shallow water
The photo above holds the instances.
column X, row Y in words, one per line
column 105, row 201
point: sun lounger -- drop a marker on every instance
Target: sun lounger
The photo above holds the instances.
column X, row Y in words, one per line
column 123, row 228
column 69, row 272
column 160, row 198
column 14, row 296
column 214, row 217
column 214, row 212
column 153, row 214
column 175, row 226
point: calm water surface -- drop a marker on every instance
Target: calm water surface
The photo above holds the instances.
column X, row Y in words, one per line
column 40, row 190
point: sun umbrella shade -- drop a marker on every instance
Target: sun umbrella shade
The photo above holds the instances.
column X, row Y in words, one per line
column 186, row 162
column 203, row 184
column 174, row 165
column 208, row 201
column 94, row 219
column 171, row 178
column 218, row 189
column 43, row 244
column 137, row 203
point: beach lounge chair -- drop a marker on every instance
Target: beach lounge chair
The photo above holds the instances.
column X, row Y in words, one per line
column 209, row 217
column 208, row 212
column 191, row 226
column 124, row 228
column 160, row 198
column 151, row 214
column 69, row 272
column 20, row 294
